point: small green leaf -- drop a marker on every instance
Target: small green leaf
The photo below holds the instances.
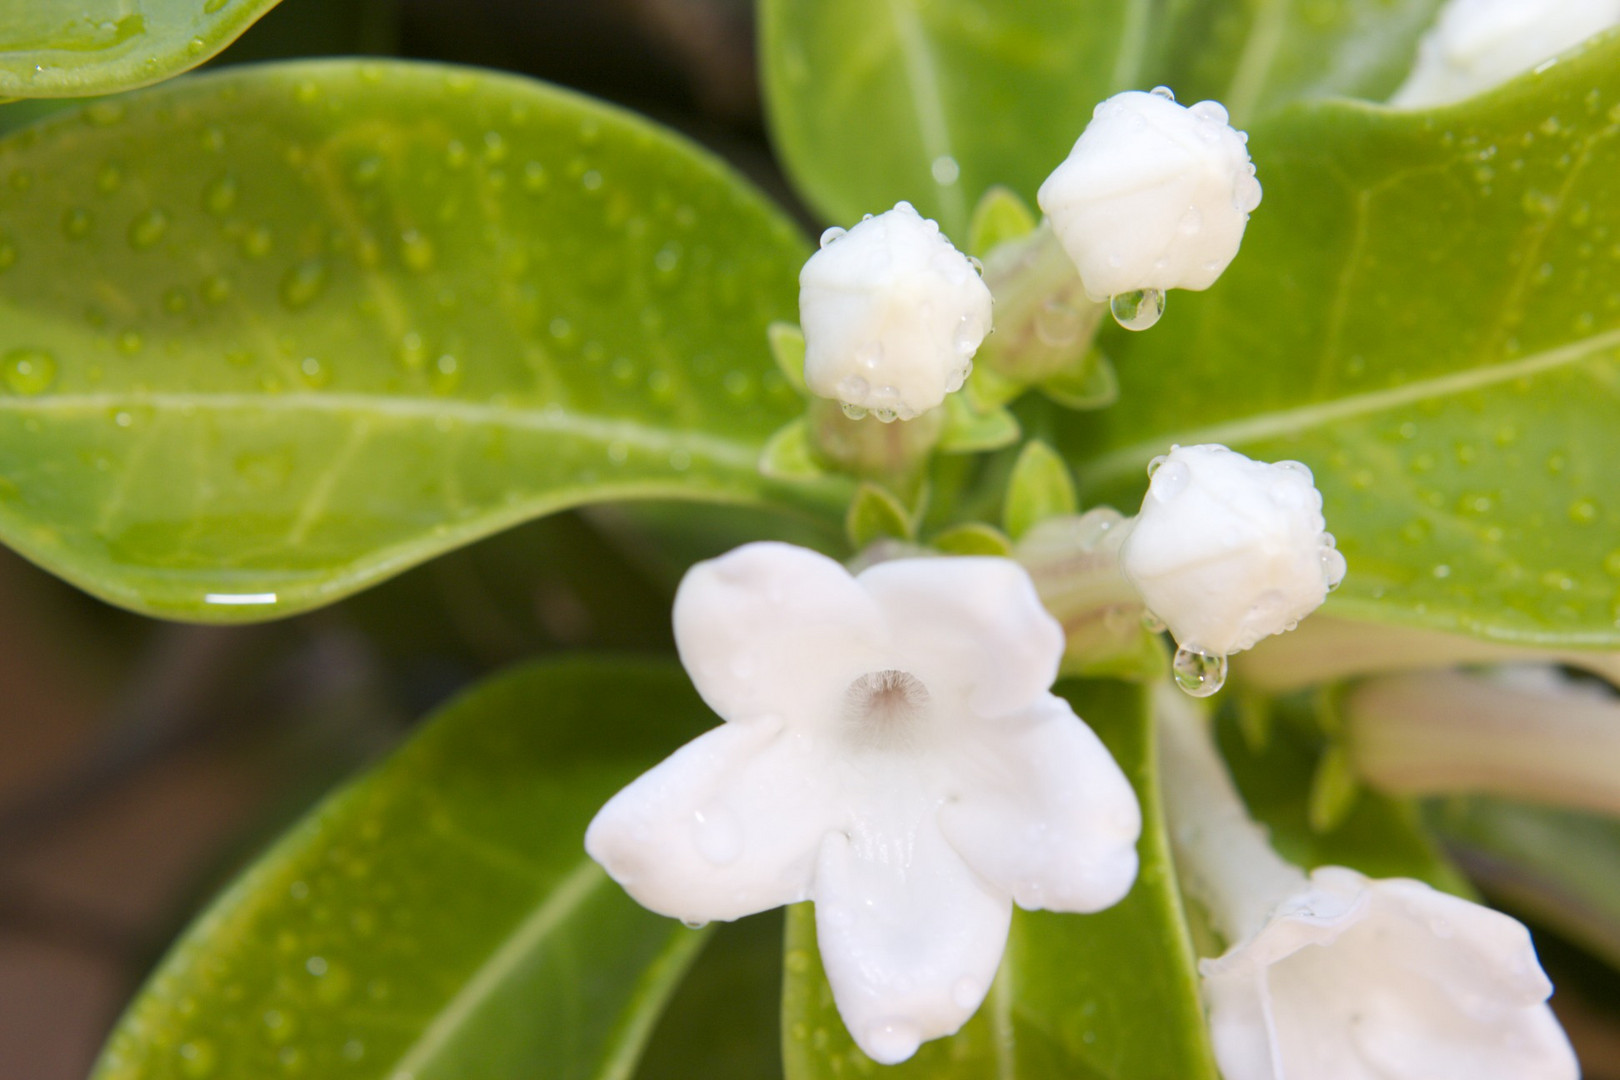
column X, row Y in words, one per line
column 870, row 103
column 974, row 538
column 787, row 349
column 269, row 336
column 974, row 430
column 788, row 455
column 1090, row 384
column 1419, row 315
column 877, row 514
column 1334, row 788
column 69, row 48
column 1110, row 996
column 1000, row 216
column 438, row 918
column 1040, row 487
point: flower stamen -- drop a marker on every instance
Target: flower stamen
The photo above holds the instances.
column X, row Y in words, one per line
column 885, row 706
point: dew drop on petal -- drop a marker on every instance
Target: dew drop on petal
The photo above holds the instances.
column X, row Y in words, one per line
column 717, row 835
column 1199, row 673
column 832, row 234
column 1137, row 310
column 1164, row 92
column 854, row 412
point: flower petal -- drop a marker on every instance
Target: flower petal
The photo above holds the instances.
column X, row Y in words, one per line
column 773, row 629
column 973, row 626
column 909, row 936
column 1384, row 980
column 727, row 826
column 1042, row 810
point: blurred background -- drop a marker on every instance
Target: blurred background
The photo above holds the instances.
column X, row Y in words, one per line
column 142, row 763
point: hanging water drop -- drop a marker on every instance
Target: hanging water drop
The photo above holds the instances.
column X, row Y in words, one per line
column 854, row 412
column 148, row 228
column 1152, row 623
column 1137, row 310
column 1199, row 673
column 833, row 234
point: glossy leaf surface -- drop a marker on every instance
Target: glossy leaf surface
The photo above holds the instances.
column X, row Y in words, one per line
column 74, row 48
column 1256, row 56
column 271, row 335
column 439, row 918
column 1110, row 996
column 1426, row 311
column 873, row 102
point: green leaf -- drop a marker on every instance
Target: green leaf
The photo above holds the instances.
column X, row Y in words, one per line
column 269, row 336
column 1040, row 487
column 1555, row 866
column 1090, row 384
column 973, row 538
column 999, row 217
column 723, row 1023
column 1110, row 996
column 1258, row 55
column 70, row 48
column 873, row 102
column 974, row 429
column 787, row 349
column 438, row 918
column 877, row 514
column 1424, row 313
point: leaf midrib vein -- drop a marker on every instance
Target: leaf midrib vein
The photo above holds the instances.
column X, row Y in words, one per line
column 1290, row 421
column 922, row 80
column 571, row 892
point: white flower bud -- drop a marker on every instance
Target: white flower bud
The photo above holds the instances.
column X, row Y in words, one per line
column 1153, row 195
column 1477, row 44
column 1227, row 550
column 892, row 315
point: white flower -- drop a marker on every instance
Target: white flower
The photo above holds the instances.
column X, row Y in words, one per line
column 892, row 752
column 892, row 315
column 1477, row 44
column 1227, row 550
column 1353, row 979
column 1153, row 195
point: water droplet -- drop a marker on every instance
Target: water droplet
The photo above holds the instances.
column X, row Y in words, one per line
column 446, row 374
column 535, row 178
column 130, row 342
column 216, row 289
column 832, row 235
column 694, row 924
column 148, row 228
column 854, row 412
column 591, row 181
column 1583, row 511
column 869, row 355
column 257, row 242
column 1169, row 480
column 29, row 371
column 1152, row 623
column 1199, row 673
column 416, row 251
column 314, row 373
column 109, row 178
column 1137, row 310
column 77, row 223
column 197, row 1058
column 303, row 283
column 945, row 170
column 1163, row 92
column 495, row 150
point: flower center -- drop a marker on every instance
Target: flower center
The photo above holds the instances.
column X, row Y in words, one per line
column 884, row 706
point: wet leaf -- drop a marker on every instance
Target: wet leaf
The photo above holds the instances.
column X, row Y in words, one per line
column 870, row 103
column 70, row 48
column 1110, row 996
column 438, row 918
column 269, row 336
column 1426, row 311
